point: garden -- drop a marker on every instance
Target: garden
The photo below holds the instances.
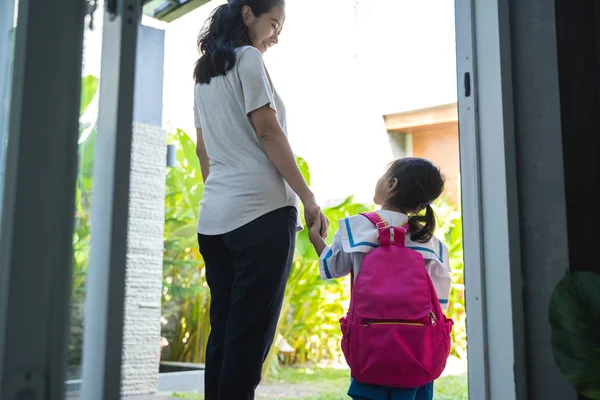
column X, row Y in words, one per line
column 308, row 326
column 305, row 361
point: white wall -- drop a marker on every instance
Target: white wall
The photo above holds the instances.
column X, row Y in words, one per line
column 340, row 65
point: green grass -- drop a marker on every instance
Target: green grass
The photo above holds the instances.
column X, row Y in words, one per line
column 332, row 384
column 310, row 375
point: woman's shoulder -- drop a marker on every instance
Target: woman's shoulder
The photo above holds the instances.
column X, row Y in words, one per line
column 248, row 53
column 249, row 58
column 252, row 49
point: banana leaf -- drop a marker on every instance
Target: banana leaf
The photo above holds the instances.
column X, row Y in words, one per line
column 575, row 322
column 89, row 88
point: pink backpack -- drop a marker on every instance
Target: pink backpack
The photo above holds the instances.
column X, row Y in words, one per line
column 395, row 333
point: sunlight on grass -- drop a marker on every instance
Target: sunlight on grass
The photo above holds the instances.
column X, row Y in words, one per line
column 332, row 384
column 310, row 375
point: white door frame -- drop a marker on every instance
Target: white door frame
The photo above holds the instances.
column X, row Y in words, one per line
column 495, row 321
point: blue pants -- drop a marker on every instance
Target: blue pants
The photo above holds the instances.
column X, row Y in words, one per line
column 363, row 391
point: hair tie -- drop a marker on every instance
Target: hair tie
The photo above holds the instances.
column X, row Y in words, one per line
column 427, row 204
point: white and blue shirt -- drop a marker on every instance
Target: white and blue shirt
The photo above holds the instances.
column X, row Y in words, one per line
column 357, row 236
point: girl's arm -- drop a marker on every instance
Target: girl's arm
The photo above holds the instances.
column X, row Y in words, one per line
column 441, row 278
column 333, row 261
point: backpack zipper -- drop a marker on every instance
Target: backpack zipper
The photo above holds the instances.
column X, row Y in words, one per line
column 431, row 316
column 393, row 323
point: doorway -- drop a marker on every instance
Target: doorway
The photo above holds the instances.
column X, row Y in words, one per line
column 492, row 75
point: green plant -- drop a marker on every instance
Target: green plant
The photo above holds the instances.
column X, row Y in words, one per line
column 450, row 231
column 81, row 235
column 312, row 307
column 575, row 321
column 81, row 229
column 185, row 297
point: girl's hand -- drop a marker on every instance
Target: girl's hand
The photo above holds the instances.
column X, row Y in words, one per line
column 316, row 232
column 311, row 212
column 324, row 226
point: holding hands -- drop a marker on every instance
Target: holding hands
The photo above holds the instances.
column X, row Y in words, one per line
column 316, row 221
column 317, row 226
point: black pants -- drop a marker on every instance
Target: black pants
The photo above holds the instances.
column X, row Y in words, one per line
column 246, row 271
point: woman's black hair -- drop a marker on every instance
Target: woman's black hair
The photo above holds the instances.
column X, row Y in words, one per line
column 419, row 183
column 224, row 32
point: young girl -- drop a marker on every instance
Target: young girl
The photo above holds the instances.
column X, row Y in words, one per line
column 408, row 187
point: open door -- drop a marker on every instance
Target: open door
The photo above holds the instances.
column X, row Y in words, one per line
column 489, row 204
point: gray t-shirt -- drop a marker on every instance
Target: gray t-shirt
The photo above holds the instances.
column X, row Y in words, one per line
column 243, row 184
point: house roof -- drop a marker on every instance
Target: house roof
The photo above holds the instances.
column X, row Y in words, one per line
column 425, row 117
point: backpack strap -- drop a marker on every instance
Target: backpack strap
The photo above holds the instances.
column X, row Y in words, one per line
column 385, row 235
column 380, row 223
column 375, row 220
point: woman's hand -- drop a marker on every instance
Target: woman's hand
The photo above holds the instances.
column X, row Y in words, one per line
column 315, row 219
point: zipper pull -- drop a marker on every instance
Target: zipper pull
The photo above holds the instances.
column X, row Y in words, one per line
column 368, row 324
column 432, row 319
column 392, row 232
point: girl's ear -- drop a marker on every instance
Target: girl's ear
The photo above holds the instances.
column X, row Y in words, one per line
column 392, row 185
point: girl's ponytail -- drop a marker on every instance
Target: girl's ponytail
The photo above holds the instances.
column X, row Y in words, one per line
column 422, row 227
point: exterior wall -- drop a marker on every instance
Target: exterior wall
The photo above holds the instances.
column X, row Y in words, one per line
column 401, row 144
column 432, row 134
column 143, row 287
column 440, row 145
column 146, row 210
column 144, row 260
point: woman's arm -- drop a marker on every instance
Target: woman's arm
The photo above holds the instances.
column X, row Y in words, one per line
column 279, row 151
column 202, row 156
column 259, row 104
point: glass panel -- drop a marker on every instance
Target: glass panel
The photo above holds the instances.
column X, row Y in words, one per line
column 8, row 12
column 81, row 237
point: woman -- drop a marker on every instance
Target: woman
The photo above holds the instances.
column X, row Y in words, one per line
column 248, row 216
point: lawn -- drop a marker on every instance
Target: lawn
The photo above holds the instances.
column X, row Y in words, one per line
column 331, row 384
